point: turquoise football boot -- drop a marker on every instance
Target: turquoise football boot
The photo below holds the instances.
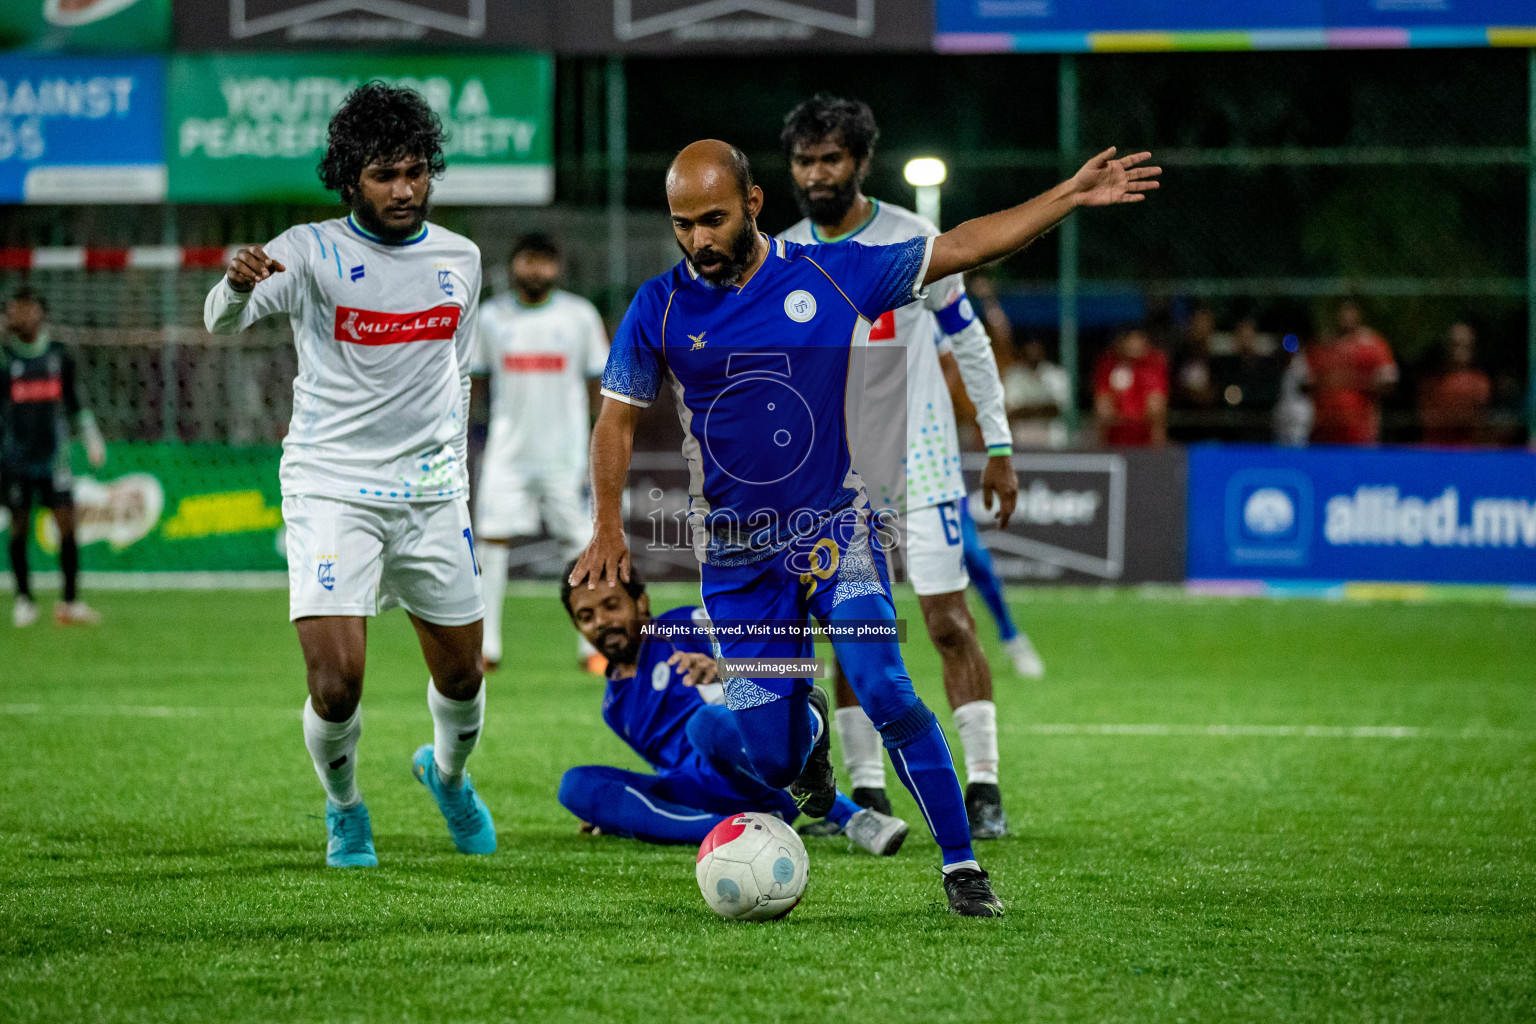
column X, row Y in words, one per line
column 349, row 837
column 469, row 820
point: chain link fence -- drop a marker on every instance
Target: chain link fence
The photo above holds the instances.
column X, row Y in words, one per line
column 1291, row 181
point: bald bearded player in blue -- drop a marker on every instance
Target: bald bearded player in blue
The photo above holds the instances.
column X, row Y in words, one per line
column 758, row 339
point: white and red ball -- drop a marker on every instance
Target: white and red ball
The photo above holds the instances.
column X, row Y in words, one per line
column 752, row 867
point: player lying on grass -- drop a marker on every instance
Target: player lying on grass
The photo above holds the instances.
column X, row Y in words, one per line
column 662, row 700
column 375, row 491
column 758, row 336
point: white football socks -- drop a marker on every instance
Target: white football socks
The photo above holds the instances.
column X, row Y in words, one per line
column 493, row 585
column 977, row 724
column 333, row 746
column 456, row 728
column 863, row 750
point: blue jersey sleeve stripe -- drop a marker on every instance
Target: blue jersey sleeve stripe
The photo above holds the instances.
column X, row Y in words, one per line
column 834, row 283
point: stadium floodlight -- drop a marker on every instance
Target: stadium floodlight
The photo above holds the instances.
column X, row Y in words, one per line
column 926, row 174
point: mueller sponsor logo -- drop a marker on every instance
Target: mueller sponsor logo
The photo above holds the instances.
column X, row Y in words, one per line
column 534, row 362
column 367, row 327
column 46, row 389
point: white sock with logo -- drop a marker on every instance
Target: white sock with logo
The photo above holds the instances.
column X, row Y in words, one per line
column 333, row 747
column 863, row 750
column 456, row 726
column 977, row 724
column 493, row 585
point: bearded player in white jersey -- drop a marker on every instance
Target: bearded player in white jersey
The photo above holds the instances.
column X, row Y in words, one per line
column 543, row 349
column 375, row 489
column 917, row 476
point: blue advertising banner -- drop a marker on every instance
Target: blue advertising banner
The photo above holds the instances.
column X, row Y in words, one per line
column 82, row 129
column 1120, row 25
column 1257, row 512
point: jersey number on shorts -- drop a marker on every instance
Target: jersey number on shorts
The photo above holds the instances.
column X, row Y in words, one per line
column 950, row 517
column 470, row 540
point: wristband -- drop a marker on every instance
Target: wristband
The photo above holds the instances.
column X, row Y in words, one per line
column 999, row 451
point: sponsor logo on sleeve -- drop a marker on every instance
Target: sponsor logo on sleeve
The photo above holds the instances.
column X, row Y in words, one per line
column 368, row 327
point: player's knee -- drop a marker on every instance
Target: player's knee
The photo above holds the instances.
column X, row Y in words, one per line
column 704, row 729
column 335, row 689
column 576, row 787
column 952, row 629
column 778, row 769
column 462, row 680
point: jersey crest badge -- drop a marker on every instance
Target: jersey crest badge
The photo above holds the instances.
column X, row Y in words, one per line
column 445, row 281
column 800, row 306
column 661, row 675
column 325, row 574
column 698, row 340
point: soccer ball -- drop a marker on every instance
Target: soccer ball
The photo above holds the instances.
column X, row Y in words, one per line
column 752, row 867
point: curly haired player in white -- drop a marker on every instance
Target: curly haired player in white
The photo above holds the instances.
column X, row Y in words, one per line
column 374, row 481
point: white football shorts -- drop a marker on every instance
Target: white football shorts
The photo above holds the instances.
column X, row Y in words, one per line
column 346, row 558
column 934, row 549
column 510, row 503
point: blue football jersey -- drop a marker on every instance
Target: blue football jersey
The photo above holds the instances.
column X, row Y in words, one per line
column 650, row 709
column 766, row 383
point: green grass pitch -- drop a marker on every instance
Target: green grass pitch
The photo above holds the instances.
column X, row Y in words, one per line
column 161, row 845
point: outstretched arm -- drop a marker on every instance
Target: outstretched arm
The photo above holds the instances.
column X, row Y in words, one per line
column 613, row 442
column 1103, row 181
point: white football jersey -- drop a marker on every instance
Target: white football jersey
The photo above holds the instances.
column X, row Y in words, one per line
column 383, row 334
column 927, row 471
column 539, row 358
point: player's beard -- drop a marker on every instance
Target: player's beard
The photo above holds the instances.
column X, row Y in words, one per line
column 367, row 215
column 829, row 209
column 533, row 290
column 619, row 644
column 734, row 261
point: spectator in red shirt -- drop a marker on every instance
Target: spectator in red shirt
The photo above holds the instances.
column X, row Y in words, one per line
column 1130, row 392
column 1351, row 372
column 1453, row 404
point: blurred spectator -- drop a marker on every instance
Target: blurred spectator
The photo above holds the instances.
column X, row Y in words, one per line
column 993, row 317
column 1351, row 372
column 1453, row 403
column 1130, row 392
column 1248, row 384
column 1293, row 409
column 1194, row 384
column 1036, row 393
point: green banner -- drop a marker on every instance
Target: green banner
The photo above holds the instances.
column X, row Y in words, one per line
column 85, row 24
column 165, row 507
column 246, row 128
